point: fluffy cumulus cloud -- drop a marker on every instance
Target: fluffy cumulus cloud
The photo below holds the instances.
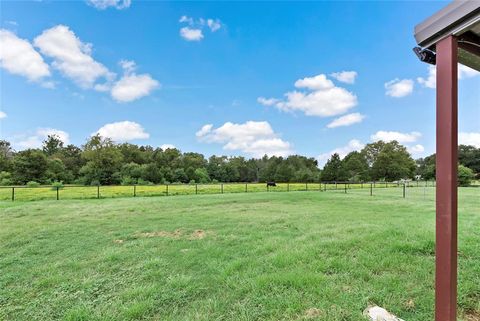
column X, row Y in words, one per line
column 3, row 115
column 347, row 77
column 399, row 88
column 430, row 81
column 123, row 131
column 71, row 56
column 18, row 56
column 346, row 120
column 353, row 145
column 321, row 97
column 104, row 4
column 256, row 138
column 469, row 139
column 167, row 146
column 194, row 29
column 416, row 149
column 132, row 86
column 35, row 139
column 191, row 34
column 388, row 136
column 267, row 101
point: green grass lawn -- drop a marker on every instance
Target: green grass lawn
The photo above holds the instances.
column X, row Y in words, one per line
column 236, row 256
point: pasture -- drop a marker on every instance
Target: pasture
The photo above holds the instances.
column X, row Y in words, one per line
column 237, row 256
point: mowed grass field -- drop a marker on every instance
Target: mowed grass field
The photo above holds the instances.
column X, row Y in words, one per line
column 239, row 256
column 23, row 193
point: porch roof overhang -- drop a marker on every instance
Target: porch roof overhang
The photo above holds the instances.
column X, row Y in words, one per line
column 461, row 18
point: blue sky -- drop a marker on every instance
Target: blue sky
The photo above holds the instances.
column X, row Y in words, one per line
column 223, row 78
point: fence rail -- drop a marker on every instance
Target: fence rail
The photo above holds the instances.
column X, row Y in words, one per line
column 26, row 193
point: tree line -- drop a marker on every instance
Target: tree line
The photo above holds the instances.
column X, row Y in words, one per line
column 102, row 161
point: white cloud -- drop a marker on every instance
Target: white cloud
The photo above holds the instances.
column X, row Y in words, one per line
column 123, row 131
column 131, row 86
column 399, row 88
column 186, row 19
column 36, row 139
column 464, row 72
column 3, row 115
column 353, row 145
column 194, row 30
column 324, row 98
column 256, row 138
column 319, row 82
column 431, row 80
column 167, row 146
column 19, row 57
column 346, row 120
column 214, row 25
column 71, row 56
column 267, row 101
column 347, row 77
column 388, row 136
column 191, row 34
column 469, row 139
column 104, row 4
column 416, row 149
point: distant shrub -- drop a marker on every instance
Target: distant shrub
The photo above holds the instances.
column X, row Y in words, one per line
column 57, row 185
column 144, row 182
column 33, row 184
column 95, row 182
column 465, row 176
column 127, row 180
column 192, row 182
column 5, row 178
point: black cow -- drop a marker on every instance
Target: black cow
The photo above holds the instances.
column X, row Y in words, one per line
column 271, row 184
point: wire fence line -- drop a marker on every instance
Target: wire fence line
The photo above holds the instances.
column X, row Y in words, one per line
column 26, row 193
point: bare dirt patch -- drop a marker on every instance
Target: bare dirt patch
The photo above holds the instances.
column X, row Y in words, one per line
column 178, row 233
column 174, row 234
column 312, row 313
column 198, row 235
column 118, row 241
column 472, row 316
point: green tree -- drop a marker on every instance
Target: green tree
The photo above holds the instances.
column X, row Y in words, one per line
column 356, row 166
column 392, row 162
column 469, row 156
column 52, row 145
column 6, row 156
column 465, row 175
column 334, row 170
column 103, row 161
column 30, row 165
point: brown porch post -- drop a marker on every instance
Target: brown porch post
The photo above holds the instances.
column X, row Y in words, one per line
column 446, row 189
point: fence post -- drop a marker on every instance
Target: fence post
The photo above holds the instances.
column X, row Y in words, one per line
column 404, row 190
column 166, row 185
column 320, row 186
column 134, row 190
column 222, row 187
column 335, row 184
column 362, row 184
column 13, row 194
column 371, row 189
column 57, row 192
column 306, row 186
column 196, row 189
column 98, row 191
column 246, row 187
column 373, row 183
column 288, row 187
column 345, row 188
column 324, row 187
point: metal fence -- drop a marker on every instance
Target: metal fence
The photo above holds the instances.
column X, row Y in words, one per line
column 26, row 193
